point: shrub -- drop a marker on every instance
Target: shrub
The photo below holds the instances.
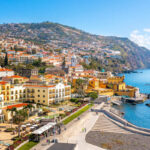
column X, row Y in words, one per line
column 78, row 113
column 28, row 146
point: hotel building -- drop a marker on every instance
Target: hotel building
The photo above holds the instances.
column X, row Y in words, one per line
column 47, row 94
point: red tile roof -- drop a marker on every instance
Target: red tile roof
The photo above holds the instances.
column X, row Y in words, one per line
column 4, row 69
column 3, row 82
column 39, row 85
column 16, row 106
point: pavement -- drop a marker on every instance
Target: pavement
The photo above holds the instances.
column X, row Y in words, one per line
column 103, row 124
column 75, row 134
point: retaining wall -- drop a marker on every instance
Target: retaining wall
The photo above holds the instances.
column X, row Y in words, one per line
column 124, row 122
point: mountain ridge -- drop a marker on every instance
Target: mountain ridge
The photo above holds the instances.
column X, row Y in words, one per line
column 66, row 37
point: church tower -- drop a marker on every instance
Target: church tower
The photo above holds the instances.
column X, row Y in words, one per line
column 73, row 61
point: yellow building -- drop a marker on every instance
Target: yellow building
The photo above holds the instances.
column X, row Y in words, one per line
column 5, row 90
column 115, row 79
column 11, row 93
column 15, row 79
column 7, row 114
column 99, row 86
column 120, row 88
column 53, row 79
column 112, row 86
column 47, row 94
column 18, row 79
column 94, row 83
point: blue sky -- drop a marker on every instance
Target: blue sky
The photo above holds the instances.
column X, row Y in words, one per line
column 126, row 18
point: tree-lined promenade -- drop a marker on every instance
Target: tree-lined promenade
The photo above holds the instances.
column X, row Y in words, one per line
column 77, row 114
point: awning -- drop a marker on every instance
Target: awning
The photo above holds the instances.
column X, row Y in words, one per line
column 44, row 128
column 35, row 125
column 28, row 124
column 32, row 127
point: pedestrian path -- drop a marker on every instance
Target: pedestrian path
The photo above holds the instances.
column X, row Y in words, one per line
column 74, row 133
column 105, row 125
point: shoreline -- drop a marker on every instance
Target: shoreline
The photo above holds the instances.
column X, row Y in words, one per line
column 109, row 134
column 138, row 113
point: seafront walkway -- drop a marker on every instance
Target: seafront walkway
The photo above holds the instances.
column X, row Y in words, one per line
column 103, row 124
column 92, row 121
column 75, row 133
column 122, row 123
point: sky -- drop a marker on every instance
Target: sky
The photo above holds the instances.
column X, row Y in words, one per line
column 124, row 18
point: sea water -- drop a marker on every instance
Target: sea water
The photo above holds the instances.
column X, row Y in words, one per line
column 138, row 114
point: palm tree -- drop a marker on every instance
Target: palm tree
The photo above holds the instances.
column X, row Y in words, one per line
column 81, row 85
column 20, row 117
column 13, row 110
column 28, row 108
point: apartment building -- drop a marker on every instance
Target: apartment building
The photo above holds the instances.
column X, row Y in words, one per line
column 47, row 94
column 15, row 79
column 17, row 93
column 6, row 72
column 53, row 79
column 11, row 93
column 5, row 90
column 1, row 100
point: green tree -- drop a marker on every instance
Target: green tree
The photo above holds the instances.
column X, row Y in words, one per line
column 21, row 116
column 64, row 62
column 39, row 63
column 13, row 111
column 33, row 51
column 6, row 60
column 93, row 95
column 28, row 108
column 42, row 70
column 80, row 86
column 16, row 81
column 1, row 62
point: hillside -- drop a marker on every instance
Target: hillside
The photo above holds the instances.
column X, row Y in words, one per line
column 62, row 36
column 136, row 56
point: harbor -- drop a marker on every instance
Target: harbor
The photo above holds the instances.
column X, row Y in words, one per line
column 138, row 113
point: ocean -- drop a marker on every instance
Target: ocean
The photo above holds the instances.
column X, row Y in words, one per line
column 138, row 114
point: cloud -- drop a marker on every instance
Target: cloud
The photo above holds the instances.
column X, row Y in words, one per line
column 142, row 38
column 146, row 30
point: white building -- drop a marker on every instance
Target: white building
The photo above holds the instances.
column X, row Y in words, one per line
column 1, row 101
column 17, row 93
column 6, row 72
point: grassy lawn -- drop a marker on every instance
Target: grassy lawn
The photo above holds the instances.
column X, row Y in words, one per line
column 78, row 113
column 28, row 145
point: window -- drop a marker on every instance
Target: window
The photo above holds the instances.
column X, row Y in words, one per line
column 43, row 90
column 43, row 101
column 38, row 90
column 38, row 95
column 38, row 101
column 43, row 95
